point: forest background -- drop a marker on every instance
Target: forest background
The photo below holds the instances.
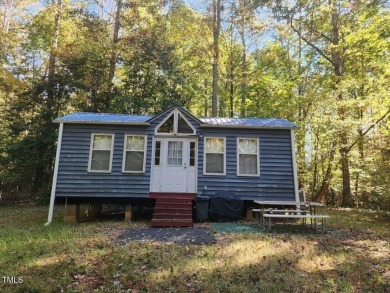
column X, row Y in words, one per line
column 324, row 65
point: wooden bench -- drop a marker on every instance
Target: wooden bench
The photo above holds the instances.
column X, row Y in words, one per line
column 272, row 210
column 304, row 217
column 260, row 213
column 287, row 211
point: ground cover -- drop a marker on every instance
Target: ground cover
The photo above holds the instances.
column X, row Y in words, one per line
column 354, row 256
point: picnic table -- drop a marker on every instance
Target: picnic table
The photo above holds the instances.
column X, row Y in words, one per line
column 285, row 213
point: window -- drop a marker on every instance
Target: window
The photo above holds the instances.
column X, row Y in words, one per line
column 100, row 156
column 214, row 156
column 175, row 124
column 134, row 157
column 248, row 156
column 157, row 153
column 167, row 126
column 192, row 153
column 175, row 153
column 183, row 126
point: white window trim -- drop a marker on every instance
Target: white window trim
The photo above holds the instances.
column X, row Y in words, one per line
column 111, row 153
column 176, row 114
column 125, row 151
column 238, row 157
column 224, row 156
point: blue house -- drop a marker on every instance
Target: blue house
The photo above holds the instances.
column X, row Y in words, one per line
column 172, row 156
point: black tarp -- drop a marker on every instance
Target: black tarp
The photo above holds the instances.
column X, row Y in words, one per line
column 226, row 206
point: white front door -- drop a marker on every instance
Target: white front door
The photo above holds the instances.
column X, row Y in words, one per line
column 174, row 165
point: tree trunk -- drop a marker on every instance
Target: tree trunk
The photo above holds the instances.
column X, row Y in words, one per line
column 361, row 156
column 347, row 195
column 325, row 186
column 114, row 53
column 244, row 70
column 357, row 190
column 231, row 69
column 315, row 172
column 328, row 176
column 338, row 64
column 231, row 99
column 206, row 99
column 51, row 108
column 53, row 53
column 302, row 132
column 216, row 32
column 38, row 180
column 7, row 14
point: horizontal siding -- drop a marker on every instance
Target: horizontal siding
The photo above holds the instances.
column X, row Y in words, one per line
column 74, row 178
column 276, row 180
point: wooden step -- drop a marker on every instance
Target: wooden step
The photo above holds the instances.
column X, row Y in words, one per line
column 172, row 205
column 172, row 216
column 172, row 212
column 175, row 200
column 172, row 195
column 172, row 209
column 171, row 223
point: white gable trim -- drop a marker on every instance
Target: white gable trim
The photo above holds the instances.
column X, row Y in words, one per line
column 176, row 112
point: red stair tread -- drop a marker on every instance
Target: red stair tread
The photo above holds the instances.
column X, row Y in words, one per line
column 171, row 223
column 172, row 209
column 175, row 199
column 172, row 206
column 170, row 216
column 172, row 195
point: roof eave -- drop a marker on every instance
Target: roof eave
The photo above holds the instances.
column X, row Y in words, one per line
column 102, row 123
column 246, row 127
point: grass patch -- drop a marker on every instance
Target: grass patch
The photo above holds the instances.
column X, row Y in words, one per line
column 230, row 228
column 353, row 257
column 361, row 221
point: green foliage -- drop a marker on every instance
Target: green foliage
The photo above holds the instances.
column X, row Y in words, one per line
column 163, row 55
column 151, row 78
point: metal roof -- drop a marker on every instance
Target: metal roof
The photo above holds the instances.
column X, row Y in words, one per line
column 247, row 122
column 106, row 118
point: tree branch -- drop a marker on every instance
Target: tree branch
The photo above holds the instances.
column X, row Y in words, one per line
column 318, row 33
column 367, row 130
column 310, row 44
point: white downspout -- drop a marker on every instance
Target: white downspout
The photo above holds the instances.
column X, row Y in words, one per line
column 295, row 172
column 54, row 184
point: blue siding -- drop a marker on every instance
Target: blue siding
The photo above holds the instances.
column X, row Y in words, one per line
column 74, row 178
column 276, row 180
